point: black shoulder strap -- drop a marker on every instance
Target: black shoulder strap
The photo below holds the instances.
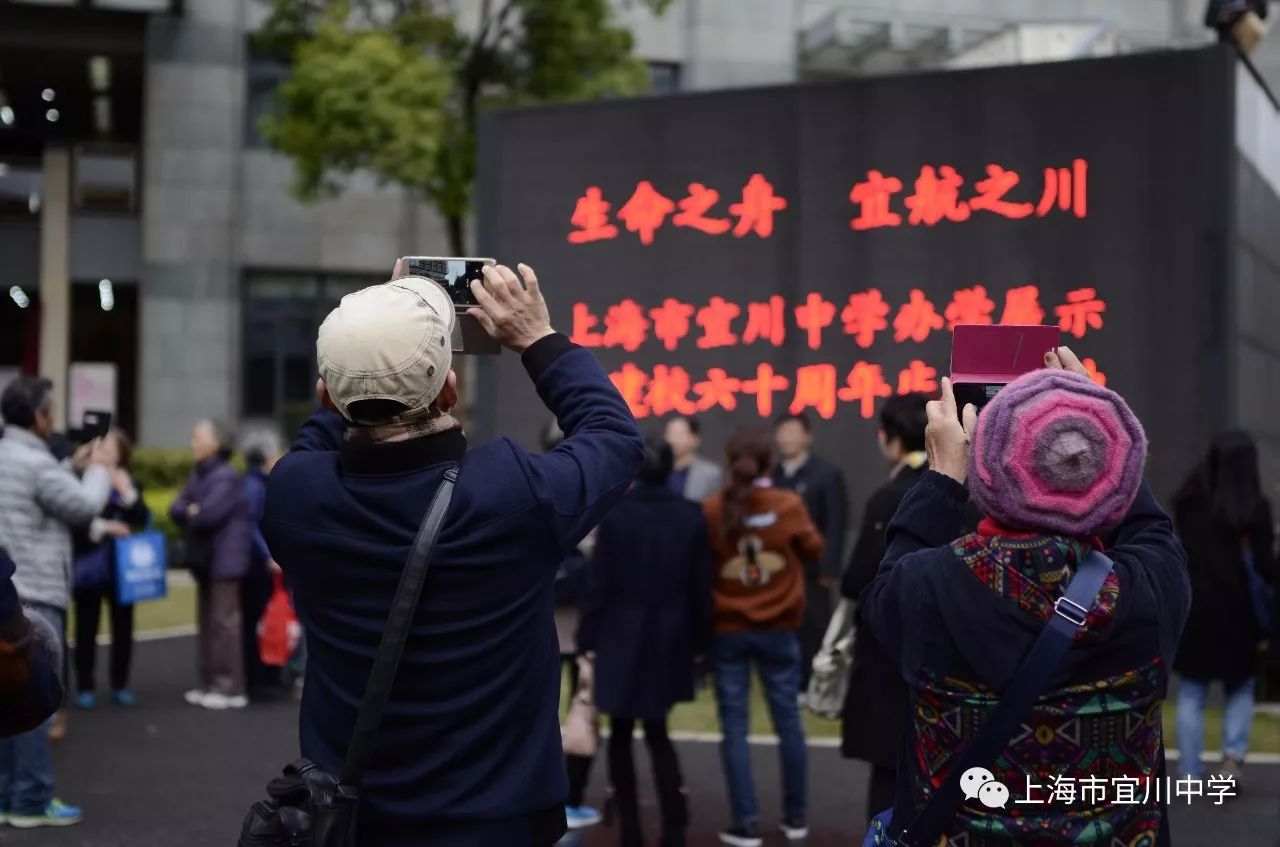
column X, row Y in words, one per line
column 391, row 648
column 1031, row 680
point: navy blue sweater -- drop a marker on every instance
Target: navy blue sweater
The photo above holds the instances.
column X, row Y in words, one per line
column 469, row 750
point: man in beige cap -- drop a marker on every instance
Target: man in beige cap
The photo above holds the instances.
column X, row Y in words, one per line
column 469, row 747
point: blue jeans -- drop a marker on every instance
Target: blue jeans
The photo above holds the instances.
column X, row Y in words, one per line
column 1237, row 721
column 26, row 767
column 776, row 655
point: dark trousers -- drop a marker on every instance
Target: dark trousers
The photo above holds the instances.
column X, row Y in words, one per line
column 88, row 614
column 881, row 790
column 817, row 614
column 577, row 767
column 255, row 593
column 219, row 657
column 666, row 776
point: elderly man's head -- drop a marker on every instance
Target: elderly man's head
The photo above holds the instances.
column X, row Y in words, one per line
column 210, row 438
column 27, row 403
column 387, row 350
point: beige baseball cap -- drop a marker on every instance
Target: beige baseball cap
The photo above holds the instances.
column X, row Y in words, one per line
column 388, row 342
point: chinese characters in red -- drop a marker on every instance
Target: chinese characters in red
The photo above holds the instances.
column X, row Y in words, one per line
column 938, row 193
column 1083, row 310
column 716, row 323
column 916, row 319
column 864, row 316
column 591, row 217
column 937, row 197
column 648, row 210
column 970, row 306
column 821, row 387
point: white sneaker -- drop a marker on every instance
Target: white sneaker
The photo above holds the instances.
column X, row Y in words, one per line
column 221, row 702
column 194, row 697
column 795, row 830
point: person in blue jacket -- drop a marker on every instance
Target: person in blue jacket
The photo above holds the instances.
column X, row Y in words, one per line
column 646, row 616
column 260, row 455
column 468, row 749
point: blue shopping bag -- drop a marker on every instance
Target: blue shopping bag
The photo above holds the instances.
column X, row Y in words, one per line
column 141, row 562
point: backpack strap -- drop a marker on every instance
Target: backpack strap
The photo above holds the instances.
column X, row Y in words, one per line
column 1070, row 612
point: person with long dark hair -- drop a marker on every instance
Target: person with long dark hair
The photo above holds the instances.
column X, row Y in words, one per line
column 1225, row 524
column 646, row 614
column 763, row 539
column 95, row 581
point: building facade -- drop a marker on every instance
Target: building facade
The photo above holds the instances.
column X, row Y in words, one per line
column 151, row 190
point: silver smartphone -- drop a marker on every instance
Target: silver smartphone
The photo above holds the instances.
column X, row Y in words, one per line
column 455, row 274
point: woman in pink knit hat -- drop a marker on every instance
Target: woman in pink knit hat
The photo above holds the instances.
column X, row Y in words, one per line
column 1053, row 462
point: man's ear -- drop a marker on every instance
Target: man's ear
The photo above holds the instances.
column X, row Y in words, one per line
column 322, row 396
column 447, row 400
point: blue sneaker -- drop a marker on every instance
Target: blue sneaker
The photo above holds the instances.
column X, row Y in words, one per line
column 581, row 817
column 123, row 697
column 56, row 813
column 86, row 700
column 4, row 816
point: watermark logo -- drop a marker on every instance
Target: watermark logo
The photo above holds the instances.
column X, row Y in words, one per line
column 981, row 784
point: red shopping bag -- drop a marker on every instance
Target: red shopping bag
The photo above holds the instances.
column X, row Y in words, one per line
column 279, row 630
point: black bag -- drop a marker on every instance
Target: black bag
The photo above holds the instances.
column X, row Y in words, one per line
column 307, row 807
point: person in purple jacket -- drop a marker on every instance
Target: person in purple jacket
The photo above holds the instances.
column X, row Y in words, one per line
column 468, row 751
column 213, row 511
column 1055, row 464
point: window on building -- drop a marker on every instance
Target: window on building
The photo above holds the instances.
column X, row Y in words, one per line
column 106, row 179
column 664, row 77
column 282, row 313
column 266, row 73
column 21, row 188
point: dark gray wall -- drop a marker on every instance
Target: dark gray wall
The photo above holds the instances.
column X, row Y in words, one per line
column 20, row 247
column 1257, row 341
column 1156, row 130
column 1255, row 273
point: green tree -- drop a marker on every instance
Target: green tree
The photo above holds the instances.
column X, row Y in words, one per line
column 395, row 86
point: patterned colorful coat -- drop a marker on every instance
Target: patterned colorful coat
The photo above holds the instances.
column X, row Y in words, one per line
column 1087, row 767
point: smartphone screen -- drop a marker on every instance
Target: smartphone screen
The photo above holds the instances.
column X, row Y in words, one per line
column 455, row 274
column 96, row 424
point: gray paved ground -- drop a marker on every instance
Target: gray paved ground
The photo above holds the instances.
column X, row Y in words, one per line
column 168, row 774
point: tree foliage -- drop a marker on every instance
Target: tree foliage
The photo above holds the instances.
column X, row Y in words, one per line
column 396, row 86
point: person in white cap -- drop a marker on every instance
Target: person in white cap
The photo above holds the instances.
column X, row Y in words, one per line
column 469, row 748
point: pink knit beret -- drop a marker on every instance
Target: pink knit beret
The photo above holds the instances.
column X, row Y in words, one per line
column 1055, row 452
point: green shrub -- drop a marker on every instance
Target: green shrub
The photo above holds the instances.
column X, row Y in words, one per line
column 158, row 500
column 159, row 467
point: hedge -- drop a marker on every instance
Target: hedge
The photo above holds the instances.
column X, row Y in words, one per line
column 156, row 467
column 158, row 501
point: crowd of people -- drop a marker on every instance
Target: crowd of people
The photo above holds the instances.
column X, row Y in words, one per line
column 61, row 512
column 644, row 564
